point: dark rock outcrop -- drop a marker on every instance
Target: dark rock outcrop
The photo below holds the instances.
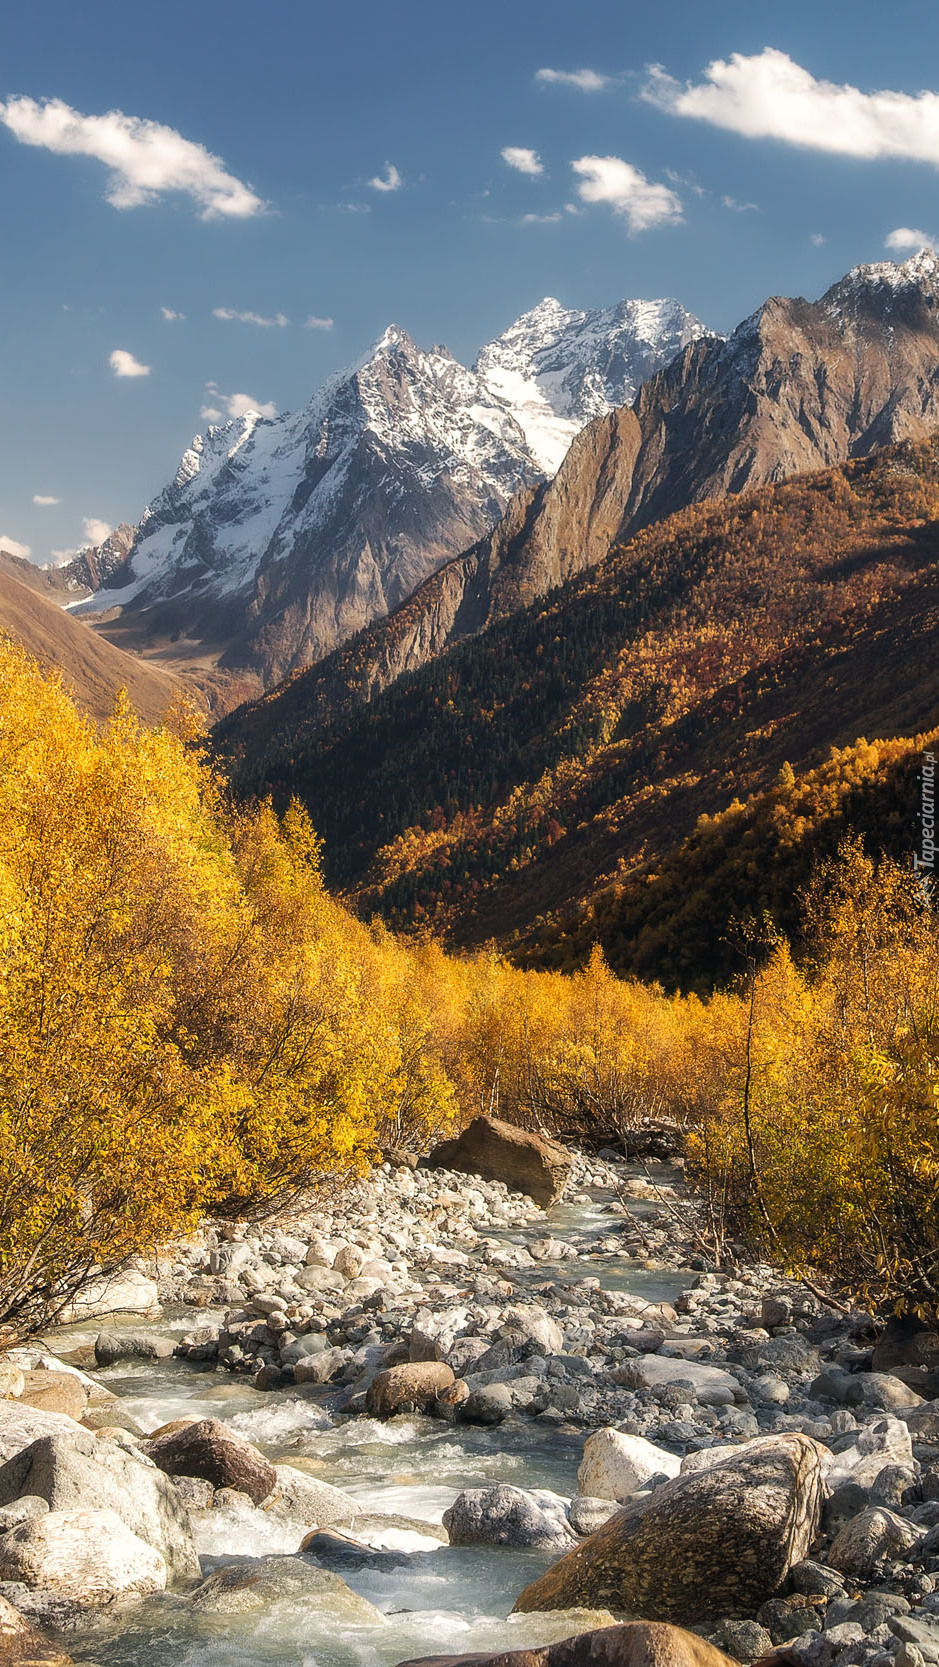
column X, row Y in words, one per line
column 498, row 1151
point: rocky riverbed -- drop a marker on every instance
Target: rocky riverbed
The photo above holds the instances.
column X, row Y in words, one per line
column 429, row 1416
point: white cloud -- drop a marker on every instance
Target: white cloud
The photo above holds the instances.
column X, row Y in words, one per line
column 13, row 547
column 585, row 80
column 737, row 207
column 124, row 364
column 525, row 161
column 314, row 323
column 908, row 237
column 817, row 238
column 540, row 219
column 234, row 405
column 43, row 500
column 390, row 180
column 769, row 96
column 171, row 316
column 640, row 202
column 231, row 315
column 145, row 158
column 95, row 531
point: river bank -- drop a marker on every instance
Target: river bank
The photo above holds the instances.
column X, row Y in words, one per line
column 430, row 1345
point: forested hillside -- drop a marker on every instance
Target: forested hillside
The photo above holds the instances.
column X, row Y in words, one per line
column 587, row 734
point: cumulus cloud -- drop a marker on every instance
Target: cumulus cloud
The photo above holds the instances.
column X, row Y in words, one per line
column 222, row 405
column 770, row 96
column 637, row 200
column 13, row 547
column 43, row 500
column 525, row 161
column 315, row 323
column 231, row 315
column 95, row 531
column 171, row 316
column 390, row 180
column 585, row 80
column 124, row 364
column 146, row 159
column 905, row 238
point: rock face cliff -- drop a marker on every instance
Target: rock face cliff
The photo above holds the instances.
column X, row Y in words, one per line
column 800, row 385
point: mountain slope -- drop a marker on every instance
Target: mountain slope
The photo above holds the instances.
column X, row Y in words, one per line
column 280, row 538
column 93, row 670
column 798, row 385
column 568, row 742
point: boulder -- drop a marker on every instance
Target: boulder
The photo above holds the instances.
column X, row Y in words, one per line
column 112, row 1346
column 503, row 1515
column 76, row 1472
column 90, row 1557
column 499, row 1151
column 211, row 1450
column 21, row 1425
column 872, row 1537
column 586, row 1515
column 127, row 1292
column 712, row 1385
column 885, row 1441
column 635, row 1644
column 491, row 1403
column 411, row 1388
column 712, row 1543
column 61, row 1392
column 306, row 1499
column 531, row 1324
column 21, row 1645
column 256, row 1582
column 616, row 1465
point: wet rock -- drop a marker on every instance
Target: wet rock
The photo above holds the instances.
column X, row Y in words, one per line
column 320, row 1367
column 502, row 1515
column 112, row 1346
column 90, row 1557
column 490, row 1404
column 333, row 1550
column 411, row 1388
column 498, row 1151
column 616, row 1465
column 868, row 1539
column 210, row 1449
column 22, row 1645
column 716, row 1543
column 255, row 1583
column 306, row 1499
column 78, row 1472
column 634, row 1644
column 113, row 1417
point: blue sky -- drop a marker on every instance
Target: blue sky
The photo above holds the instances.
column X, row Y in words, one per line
column 259, row 193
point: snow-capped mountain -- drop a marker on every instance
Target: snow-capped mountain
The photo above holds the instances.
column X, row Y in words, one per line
column 557, row 369
column 280, row 538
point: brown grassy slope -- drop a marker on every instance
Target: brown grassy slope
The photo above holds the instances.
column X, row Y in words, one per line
column 93, row 670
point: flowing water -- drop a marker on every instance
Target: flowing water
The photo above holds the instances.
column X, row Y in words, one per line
column 433, row 1599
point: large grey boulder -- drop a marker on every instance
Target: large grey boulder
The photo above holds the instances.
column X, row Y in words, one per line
column 90, row 1557
column 712, row 1385
column 616, row 1465
column 78, row 1472
column 219, row 1455
column 499, row 1151
column 503, row 1515
column 714, row 1543
column 21, row 1425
